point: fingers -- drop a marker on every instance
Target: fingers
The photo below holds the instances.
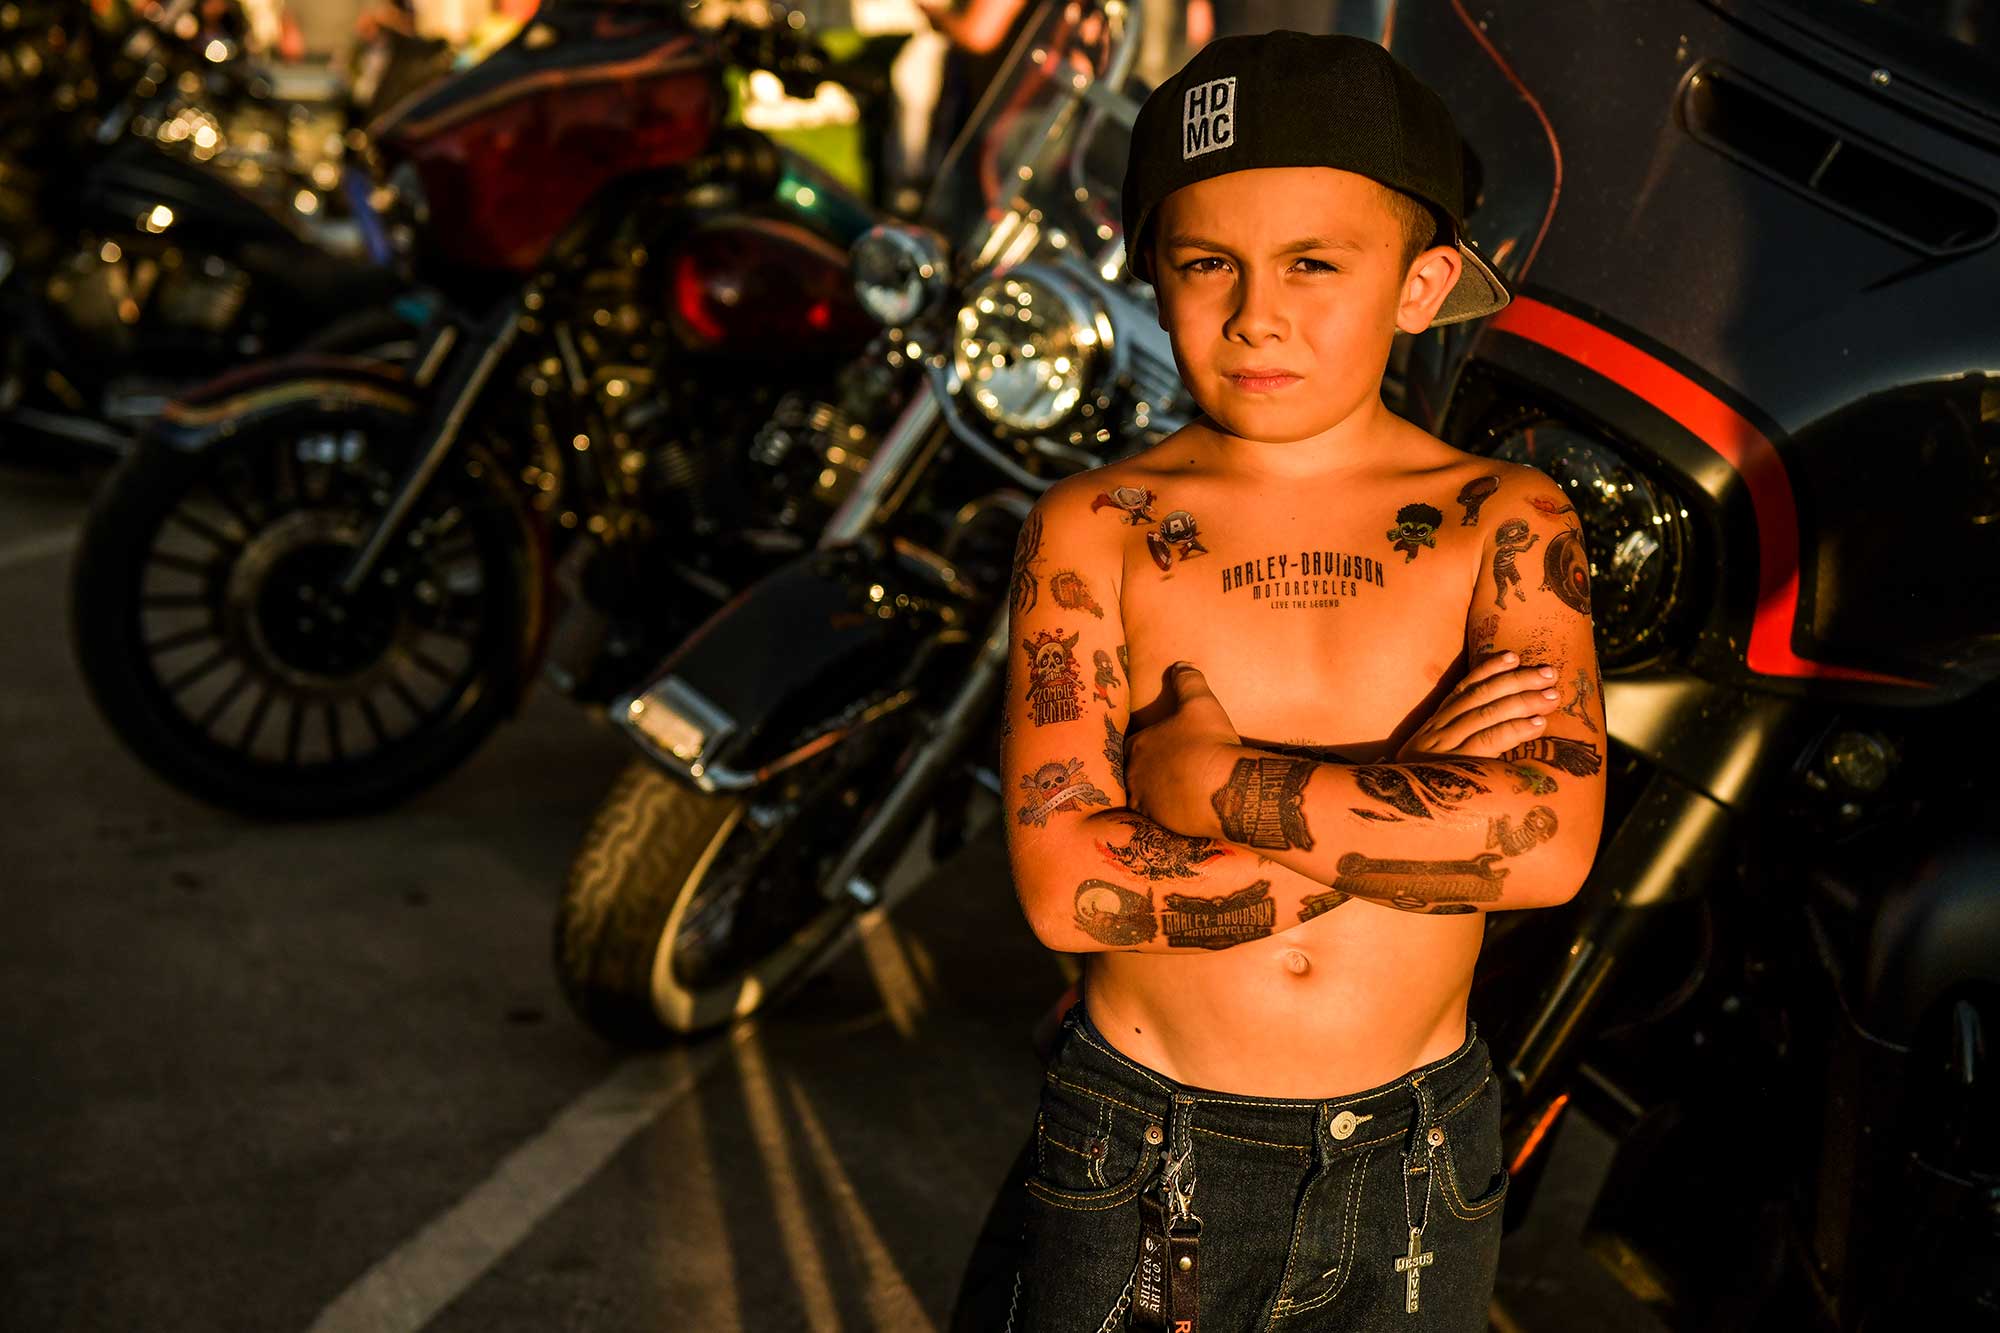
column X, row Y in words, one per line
column 1496, row 740
column 1186, row 680
column 1515, row 695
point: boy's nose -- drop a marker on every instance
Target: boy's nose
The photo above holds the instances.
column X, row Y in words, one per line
column 1259, row 313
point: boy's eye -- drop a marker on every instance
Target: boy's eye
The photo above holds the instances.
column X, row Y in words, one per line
column 1203, row 265
column 1316, row 266
column 1212, row 264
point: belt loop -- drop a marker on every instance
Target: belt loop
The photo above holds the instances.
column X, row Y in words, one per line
column 1420, row 1124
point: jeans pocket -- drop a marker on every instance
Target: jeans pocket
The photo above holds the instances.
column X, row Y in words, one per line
column 1473, row 1179
column 1091, row 1150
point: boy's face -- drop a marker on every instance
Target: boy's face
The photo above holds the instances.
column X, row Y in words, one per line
column 1281, row 289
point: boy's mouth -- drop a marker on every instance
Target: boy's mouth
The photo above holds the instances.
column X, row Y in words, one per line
column 1261, row 379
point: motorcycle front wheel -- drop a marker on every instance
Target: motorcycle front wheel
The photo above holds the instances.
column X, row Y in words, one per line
column 685, row 910
column 207, row 619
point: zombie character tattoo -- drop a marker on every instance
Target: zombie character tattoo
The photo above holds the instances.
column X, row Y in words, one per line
column 1107, row 679
column 1134, row 502
column 1072, row 593
column 1566, row 570
column 1409, row 787
column 1157, row 852
column 1416, row 525
column 1219, row 923
column 1176, row 536
column 1579, row 759
column 1579, row 707
column 1421, row 886
column 1027, row 585
column 1509, row 543
column 1264, row 803
column 1056, row 786
column 1055, row 679
column 1473, row 495
column 1114, row 750
column 1313, row 904
column 1536, row 828
column 1113, row 915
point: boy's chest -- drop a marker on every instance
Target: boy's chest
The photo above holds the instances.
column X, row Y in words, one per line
column 1312, row 623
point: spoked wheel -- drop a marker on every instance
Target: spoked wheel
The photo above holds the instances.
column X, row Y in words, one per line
column 210, row 625
column 685, row 910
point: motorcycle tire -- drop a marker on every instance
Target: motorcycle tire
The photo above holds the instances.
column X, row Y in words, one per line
column 632, row 887
column 114, row 591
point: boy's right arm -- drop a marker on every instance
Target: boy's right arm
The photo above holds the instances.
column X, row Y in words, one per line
column 1091, row 873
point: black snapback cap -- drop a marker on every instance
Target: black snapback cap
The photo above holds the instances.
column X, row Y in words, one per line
column 1293, row 99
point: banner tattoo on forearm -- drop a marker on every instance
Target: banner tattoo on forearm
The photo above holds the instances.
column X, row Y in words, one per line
column 1438, row 887
column 1263, row 803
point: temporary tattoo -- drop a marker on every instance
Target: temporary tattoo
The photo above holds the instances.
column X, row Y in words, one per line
column 1027, row 584
column 1579, row 759
column 1176, row 536
column 1124, row 662
column 1406, row 788
column 1219, row 923
column 1264, row 803
column 1072, row 593
column 1416, row 885
column 1532, row 780
column 1300, row 580
column 1114, row 749
column 1566, row 570
column 1431, row 909
column 1113, row 915
column 1107, row 679
column 1537, row 827
column 1134, row 502
column 1509, row 542
column 1579, row 707
column 1305, row 749
column 1055, row 680
column 1416, row 525
column 1056, row 786
column 1313, row 904
column 1483, row 631
column 1378, row 816
column 1006, row 724
column 1473, row 495
column 1548, row 506
column 1157, row 852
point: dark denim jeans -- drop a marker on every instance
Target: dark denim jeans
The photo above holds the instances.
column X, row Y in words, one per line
column 1304, row 1207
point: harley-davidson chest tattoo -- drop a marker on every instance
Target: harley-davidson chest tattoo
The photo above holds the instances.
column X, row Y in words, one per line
column 1301, row 580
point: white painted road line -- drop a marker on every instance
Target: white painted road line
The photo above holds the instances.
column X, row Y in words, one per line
column 38, row 548
column 407, row 1288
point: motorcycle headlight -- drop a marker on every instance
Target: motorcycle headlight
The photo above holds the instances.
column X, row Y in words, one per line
column 1635, row 530
column 1028, row 347
column 898, row 272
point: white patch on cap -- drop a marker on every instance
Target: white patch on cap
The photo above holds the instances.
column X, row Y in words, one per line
column 1208, row 121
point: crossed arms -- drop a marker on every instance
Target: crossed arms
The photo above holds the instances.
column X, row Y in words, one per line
column 1189, row 839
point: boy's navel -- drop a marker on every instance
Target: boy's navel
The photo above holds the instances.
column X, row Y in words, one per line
column 1297, row 963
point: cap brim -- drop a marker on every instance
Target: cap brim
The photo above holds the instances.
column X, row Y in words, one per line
column 1479, row 290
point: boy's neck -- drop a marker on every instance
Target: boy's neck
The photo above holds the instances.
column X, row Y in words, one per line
column 1355, row 443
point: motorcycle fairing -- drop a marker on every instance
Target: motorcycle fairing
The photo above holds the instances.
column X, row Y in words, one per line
column 793, row 664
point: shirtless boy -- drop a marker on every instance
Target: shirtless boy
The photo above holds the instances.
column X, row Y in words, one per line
column 1301, row 694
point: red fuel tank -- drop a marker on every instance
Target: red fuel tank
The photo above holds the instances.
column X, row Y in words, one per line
column 509, row 151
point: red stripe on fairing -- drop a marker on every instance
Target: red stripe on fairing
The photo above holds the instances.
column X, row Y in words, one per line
column 1739, row 443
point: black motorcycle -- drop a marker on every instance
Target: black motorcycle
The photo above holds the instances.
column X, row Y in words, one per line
column 1758, row 351
column 133, row 261
column 793, row 744
column 321, row 582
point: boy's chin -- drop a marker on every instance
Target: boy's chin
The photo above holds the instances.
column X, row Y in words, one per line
column 1273, row 424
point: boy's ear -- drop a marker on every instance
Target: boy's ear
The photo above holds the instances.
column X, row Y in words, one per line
column 1431, row 277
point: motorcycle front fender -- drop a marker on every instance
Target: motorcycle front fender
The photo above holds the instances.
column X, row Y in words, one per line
column 822, row 647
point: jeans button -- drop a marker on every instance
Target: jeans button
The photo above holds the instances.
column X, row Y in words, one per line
column 1155, row 1136
column 1343, row 1124
column 1436, row 1137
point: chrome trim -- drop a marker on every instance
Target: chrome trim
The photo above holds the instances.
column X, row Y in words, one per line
column 903, row 442
column 682, row 729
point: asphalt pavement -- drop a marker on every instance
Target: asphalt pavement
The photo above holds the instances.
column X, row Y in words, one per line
column 319, row 1076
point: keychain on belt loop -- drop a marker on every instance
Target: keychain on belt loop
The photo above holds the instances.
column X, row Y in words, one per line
column 1412, row 1264
column 1165, row 1292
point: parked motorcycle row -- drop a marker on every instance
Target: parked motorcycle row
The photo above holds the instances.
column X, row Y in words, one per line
column 636, row 403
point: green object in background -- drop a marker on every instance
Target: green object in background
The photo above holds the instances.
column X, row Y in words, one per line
column 837, row 149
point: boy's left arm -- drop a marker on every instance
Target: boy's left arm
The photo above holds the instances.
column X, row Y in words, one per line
column 1441, row 833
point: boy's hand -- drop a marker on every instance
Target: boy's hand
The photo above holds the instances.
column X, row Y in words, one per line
column 1168, row 764
column 1494, row 708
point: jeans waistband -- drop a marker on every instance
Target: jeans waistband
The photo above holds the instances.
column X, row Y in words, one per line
column 1413, row 1101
